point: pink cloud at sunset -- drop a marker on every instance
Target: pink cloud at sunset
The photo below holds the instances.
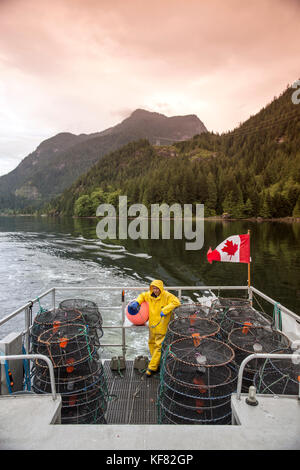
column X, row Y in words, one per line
column 84, row 65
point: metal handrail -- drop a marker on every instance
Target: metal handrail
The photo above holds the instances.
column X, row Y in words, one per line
column 35, row 356
column 27, row 307
column 28, row 304
column 53, row 290
column 273, row 302
column 258, row 356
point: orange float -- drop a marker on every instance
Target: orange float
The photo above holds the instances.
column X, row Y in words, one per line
column 202, row 389
column 246, row 326
column 141, row 317
column 56, row 325
column 196, row 339
column 70, row 367
column 63, row 343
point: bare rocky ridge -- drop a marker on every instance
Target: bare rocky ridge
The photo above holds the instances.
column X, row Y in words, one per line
column 58, row 161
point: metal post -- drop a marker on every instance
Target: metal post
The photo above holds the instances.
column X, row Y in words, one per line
column 249, row 281
column 123, row 328
column 53, row 298
column 27, row 329
column 35, row 356
column 250, row 295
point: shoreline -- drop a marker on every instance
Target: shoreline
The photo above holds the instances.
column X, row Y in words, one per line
column 289, row 219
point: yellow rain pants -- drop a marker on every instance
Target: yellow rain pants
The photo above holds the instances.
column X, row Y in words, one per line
column 158, row 325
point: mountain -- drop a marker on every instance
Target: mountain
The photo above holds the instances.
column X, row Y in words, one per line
column 252, row 171
column 59, row 161
column 159, row 128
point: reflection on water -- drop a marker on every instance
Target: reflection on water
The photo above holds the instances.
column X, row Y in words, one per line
column 38, row 253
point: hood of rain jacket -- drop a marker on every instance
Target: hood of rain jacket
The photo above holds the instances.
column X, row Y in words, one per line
column 165, row 302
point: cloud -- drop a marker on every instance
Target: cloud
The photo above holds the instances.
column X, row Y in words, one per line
column 79, row 66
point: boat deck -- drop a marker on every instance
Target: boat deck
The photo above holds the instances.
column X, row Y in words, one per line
column 133, row 396
column 32, row 422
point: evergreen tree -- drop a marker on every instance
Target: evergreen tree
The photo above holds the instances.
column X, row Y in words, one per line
column 97, row 197
column 83, row 206
column 296, row 211
column 212, row 196
column 265, row 209
column 248, row 209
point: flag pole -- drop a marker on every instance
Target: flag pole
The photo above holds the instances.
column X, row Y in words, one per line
column 249, row 283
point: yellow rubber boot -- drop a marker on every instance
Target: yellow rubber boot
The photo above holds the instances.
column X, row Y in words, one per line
column 156, row 353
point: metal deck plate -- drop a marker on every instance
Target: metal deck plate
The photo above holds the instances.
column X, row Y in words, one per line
column 133, row 396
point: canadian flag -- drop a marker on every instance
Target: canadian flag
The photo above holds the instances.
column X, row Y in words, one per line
column 235, row 249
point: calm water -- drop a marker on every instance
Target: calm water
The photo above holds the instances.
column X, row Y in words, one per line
column 38, row 253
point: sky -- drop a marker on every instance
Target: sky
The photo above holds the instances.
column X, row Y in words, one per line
column 82, row 66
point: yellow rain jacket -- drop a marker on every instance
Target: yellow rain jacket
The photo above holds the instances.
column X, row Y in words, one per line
column 158, row 325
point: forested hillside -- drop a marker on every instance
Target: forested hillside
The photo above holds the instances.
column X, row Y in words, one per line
column 250, row 172
column 59, row 161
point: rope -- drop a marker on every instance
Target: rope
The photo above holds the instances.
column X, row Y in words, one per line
column 273, row 383
column 9, row 381
column 41, row 309
column 277, row 319
column 27, row 381
column 84, row 330
column 119, row 369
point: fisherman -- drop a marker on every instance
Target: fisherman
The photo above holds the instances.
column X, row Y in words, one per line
column 161, row 304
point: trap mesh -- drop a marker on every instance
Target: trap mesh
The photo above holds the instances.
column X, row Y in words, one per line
column 226, row 302
column 83, row 390
column 89, row 310
column 90, row 313
column 249, row 340
column 221, row 305
column 234, row 313
column 79, row 375
column 278, row 376
column 189, row 327
column 196, row 383
column 199, row 310
column 45, row 320
column 65, row 345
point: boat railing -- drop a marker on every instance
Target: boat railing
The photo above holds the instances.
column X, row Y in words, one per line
column 27, row 308
column 21, row 357
column 249, row 358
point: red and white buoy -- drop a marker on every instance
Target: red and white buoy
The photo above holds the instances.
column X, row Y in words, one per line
column 141, row 317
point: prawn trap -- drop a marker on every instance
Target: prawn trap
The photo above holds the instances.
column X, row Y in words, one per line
column 196, row 382
column 189, row 327
column 65, row 344
column 198, row 310
column 255, row 339
column 90, row 313
column 79, row 375
column 236, row 315
column 48, row 319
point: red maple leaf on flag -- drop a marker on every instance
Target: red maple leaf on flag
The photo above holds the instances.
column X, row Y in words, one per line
column 230, row 248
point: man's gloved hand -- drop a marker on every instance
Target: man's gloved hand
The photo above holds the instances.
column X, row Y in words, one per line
column 162, row 314
column 133, row 308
